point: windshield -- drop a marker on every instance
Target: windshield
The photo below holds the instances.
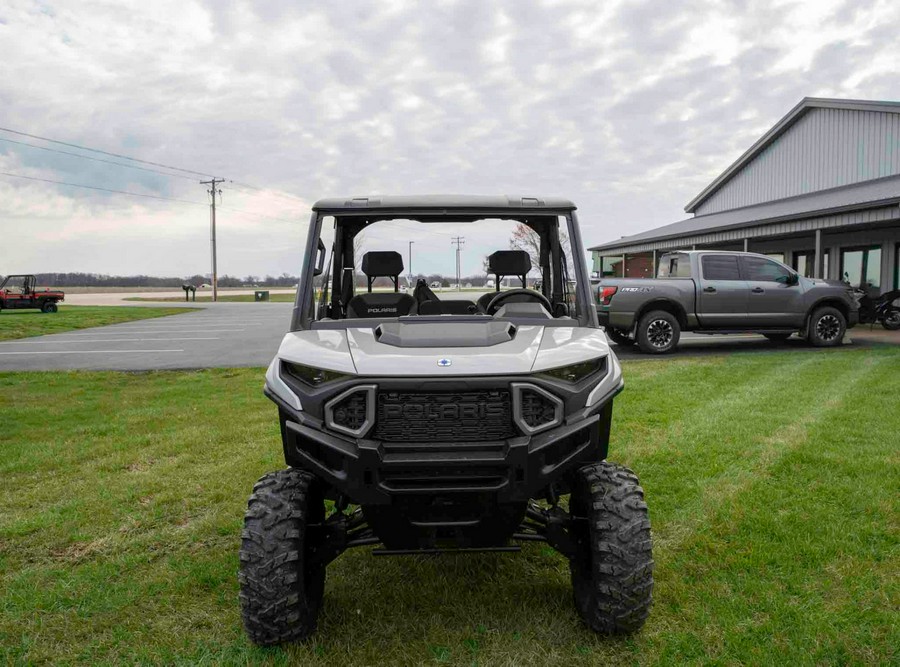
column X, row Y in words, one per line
column 384, row 269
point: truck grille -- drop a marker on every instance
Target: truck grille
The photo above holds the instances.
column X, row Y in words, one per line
column 471, row 416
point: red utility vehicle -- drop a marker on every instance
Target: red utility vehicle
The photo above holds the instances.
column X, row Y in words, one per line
column 19, row 292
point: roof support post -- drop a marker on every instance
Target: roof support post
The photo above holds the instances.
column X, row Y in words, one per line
column 817, row 266
column 746, row 245
column 624, row 262
column 653, row 266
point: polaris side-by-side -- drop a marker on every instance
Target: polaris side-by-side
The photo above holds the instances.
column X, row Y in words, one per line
column 414, row 424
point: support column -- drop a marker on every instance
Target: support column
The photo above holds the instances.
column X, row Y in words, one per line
column 653, row 267
column 818, row 261
column 746, row 245
column 624, row 261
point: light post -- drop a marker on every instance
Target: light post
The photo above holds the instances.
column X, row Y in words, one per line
column 410, row 263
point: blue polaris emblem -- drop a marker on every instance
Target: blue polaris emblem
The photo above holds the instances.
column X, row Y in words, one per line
column 444, row 362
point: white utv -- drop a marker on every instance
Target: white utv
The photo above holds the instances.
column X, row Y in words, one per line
column 414, row 424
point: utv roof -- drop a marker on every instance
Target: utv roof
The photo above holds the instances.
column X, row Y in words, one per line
column 443, row 203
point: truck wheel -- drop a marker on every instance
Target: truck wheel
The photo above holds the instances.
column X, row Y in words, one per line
column 778, row 338
column 658, row 332
column 826, row 327
column 612, row 569
column 619, row 337
column 49, row 307
column 281, row 593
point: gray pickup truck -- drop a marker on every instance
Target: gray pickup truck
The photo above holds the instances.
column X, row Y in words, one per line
column 715, row 292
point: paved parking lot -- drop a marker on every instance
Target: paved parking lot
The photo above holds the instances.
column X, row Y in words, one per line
column 218, row 335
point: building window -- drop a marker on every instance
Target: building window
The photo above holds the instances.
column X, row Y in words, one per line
column 612, row 267
column 861, row 266
column 804, row 262
column 720, row 267
column 777, row 256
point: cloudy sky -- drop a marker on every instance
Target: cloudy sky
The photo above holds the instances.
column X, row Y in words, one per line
column 628, row 108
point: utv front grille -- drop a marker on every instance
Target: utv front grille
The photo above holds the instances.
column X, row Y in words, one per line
column 469, row 416
column 536, row 409
column 352, row 412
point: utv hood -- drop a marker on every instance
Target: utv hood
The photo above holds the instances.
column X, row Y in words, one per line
column 363, row 351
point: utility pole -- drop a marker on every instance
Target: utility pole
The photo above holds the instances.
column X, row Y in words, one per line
column 459, row 241
column 410, row 263
column 213, row 191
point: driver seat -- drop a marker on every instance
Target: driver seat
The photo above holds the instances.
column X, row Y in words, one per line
column 504, row 263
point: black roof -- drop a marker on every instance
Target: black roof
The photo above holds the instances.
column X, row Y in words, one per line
column 440, row 203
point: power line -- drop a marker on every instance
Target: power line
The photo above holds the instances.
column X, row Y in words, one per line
column 96, row 159
column 97, row 150
column 139, row 194
column 94, row 187
column 279, row 193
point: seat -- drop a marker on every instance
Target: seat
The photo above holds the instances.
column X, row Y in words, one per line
column 377, row 264
column 427, row 303
column 504, row 263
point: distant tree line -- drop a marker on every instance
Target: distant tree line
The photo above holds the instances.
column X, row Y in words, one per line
column 103, row 280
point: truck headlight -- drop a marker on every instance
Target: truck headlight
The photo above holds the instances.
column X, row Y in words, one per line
column 310, row 375
column 575, row 373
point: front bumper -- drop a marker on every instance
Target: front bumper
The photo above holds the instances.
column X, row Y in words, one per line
column 369, row 471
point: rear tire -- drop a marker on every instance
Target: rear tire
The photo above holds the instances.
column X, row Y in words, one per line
column 280, row 592
column 658, row 332
column 778, row 338
column 612, row 570
column 827, row 326
column 892, row 321
column 620, row 337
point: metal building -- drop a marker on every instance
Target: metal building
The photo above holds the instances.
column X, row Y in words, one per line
column 820, row 191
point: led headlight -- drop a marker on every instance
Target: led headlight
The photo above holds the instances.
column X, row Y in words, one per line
column 310, row 375
column 575, row 372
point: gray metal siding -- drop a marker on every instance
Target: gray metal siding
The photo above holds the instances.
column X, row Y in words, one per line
column 824, row 148
column 865, row 217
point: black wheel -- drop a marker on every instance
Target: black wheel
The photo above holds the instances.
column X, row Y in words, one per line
column 892, row 321
column 826, row 327
column 777, row 337
column 619, row 337
column 658, row 332
column 612, row 570
column 49, row 307
column 281, row 593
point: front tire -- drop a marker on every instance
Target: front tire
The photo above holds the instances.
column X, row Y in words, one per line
column 280, row 590
column 658, row 332
column 49, row 307
column 892, row 321
column 612, row 569
column 619, row 337
column 827, row 326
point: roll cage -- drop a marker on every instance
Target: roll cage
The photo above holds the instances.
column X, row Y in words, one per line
column 331, row 269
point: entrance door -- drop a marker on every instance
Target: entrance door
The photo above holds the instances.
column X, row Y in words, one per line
column 723, row 294
column 775, row 300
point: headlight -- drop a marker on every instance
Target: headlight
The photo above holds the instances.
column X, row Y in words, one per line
column 312, row 376
column 575, row 372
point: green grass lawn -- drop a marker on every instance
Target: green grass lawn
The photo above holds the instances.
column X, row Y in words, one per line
column 289, row 298
column 24, row 323
column 772, row 481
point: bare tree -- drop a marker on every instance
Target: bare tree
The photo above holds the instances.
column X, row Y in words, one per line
column 525, row 238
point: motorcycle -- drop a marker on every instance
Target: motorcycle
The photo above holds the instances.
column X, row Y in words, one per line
column 884, row 308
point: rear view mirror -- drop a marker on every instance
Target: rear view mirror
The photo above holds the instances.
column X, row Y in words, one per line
column 320, row 261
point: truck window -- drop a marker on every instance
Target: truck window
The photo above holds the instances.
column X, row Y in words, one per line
column 720, row 267
column 759, row 269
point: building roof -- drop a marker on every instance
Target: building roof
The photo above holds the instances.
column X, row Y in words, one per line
column 869, row 194
column 779, row 129
column 439, row 203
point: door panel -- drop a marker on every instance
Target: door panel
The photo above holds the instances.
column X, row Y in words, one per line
column 772, row 302
column 723, row 295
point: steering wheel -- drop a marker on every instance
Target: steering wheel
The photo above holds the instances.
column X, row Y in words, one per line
column 495, row 303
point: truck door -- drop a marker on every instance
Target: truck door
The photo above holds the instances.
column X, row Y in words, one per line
column 722, row 292
column 775, row 299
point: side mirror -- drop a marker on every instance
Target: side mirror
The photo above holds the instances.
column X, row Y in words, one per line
column 320, row 262
column 793, row 279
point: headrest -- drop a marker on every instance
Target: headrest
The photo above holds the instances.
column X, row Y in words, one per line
column 509, row 263
column 382, row 263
